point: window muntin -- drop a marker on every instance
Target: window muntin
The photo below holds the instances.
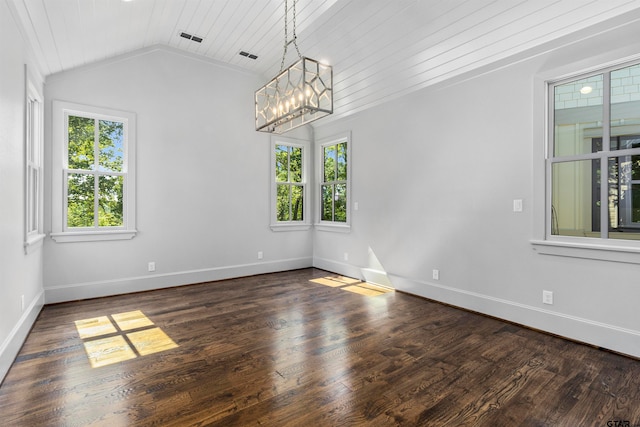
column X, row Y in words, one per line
column 95, row 173
column 289, row 183
column 596, row 121
column 334, row 183
column 94, row 153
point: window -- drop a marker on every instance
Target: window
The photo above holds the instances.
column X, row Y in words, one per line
column 289, row 184
column 593, row 164
column 33, row 167
column 94, row 150
column 333, row 178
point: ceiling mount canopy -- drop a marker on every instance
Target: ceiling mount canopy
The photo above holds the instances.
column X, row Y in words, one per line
column 299, row 94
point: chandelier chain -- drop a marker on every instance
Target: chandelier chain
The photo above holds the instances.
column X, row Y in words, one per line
column 294, row 40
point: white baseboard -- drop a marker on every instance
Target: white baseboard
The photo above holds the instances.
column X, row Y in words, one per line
column 12, row 345
column 611, row 337
column 78, row 291
column 338, row 267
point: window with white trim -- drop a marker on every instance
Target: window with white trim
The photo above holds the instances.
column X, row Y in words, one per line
column 289, row 176
column 334, row 181
column 593, row 159
column 94, row 160
column 33, row 167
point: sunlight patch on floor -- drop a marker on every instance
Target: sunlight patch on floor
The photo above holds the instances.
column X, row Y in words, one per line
column 106, row 351
column 352, row 285
column 151, row 341
column 106, row 343
column 131, row 320
column 95, row 327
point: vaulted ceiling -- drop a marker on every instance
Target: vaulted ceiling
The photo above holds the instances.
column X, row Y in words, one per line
column 379, row 49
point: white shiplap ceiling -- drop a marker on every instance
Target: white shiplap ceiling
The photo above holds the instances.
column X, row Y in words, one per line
column 380, row 49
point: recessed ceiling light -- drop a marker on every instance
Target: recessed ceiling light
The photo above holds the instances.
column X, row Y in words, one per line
column 586, row 89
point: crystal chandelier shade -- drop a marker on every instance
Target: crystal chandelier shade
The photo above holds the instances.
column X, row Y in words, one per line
column 298, row 95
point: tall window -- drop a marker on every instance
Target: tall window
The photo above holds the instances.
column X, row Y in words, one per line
column 33, row 166
column 289, row 184
column 95, row 174
column 594, row 157
column 97, row 188
column 334, row 176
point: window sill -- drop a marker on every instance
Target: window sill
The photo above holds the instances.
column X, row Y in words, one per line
column 93, row 236
column 290, row 227
column 587, row 250
column 33, row 243
column 336, row 228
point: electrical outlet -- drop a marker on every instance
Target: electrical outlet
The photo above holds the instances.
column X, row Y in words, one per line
column 436, row 274
column 260, row 255
column 346, row 256
column 547, row 297
column 21, row 303
column 517, row 205
column 152, row 266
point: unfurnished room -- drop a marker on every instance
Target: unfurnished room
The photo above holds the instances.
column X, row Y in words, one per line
column 320, row 212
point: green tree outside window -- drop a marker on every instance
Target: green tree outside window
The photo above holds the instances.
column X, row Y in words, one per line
column 95, row 174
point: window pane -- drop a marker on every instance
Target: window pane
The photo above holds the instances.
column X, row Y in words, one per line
column 282, row 163
column 329, row 163
column 342, row 161
column 111, row 149
column 296, row 203
column 33, row 192
column 327, row 202
column 625, row 101
column 575, row 198
column 340, row 205
column 30, row 198
column 110, row 201
column 578, row 115
column 295, row 164
column 81, row 143
column 80, row 200
column 624, row 200
column 282, row 202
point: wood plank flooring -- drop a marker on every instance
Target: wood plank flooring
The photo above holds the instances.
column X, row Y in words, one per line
column 280, row 350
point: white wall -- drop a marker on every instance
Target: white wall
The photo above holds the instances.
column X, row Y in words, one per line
column 20, row 274
column 202, row 179
column 435, row 174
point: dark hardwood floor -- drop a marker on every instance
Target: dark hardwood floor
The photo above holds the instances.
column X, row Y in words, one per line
column 280, row 350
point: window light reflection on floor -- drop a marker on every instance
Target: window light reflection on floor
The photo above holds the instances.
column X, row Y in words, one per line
column 351, row 285
column 122, row 336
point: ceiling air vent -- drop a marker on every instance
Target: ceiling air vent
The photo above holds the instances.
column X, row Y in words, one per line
column 191, row 37
column 248, row 55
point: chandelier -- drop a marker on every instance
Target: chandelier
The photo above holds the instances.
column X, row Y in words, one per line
column 299, row 94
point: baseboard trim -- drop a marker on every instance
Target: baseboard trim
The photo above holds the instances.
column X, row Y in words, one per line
column 599, row 334
column 338, row 267
column 12, row 345
column 79, row 291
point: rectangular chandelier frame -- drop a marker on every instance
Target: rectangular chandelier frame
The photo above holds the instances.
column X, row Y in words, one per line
column 297, row 96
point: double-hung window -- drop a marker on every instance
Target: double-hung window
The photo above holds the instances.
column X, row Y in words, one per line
column 34, row 233
column 289, row 176
column 94, row 193
column 334, row 182
column 593, row 160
